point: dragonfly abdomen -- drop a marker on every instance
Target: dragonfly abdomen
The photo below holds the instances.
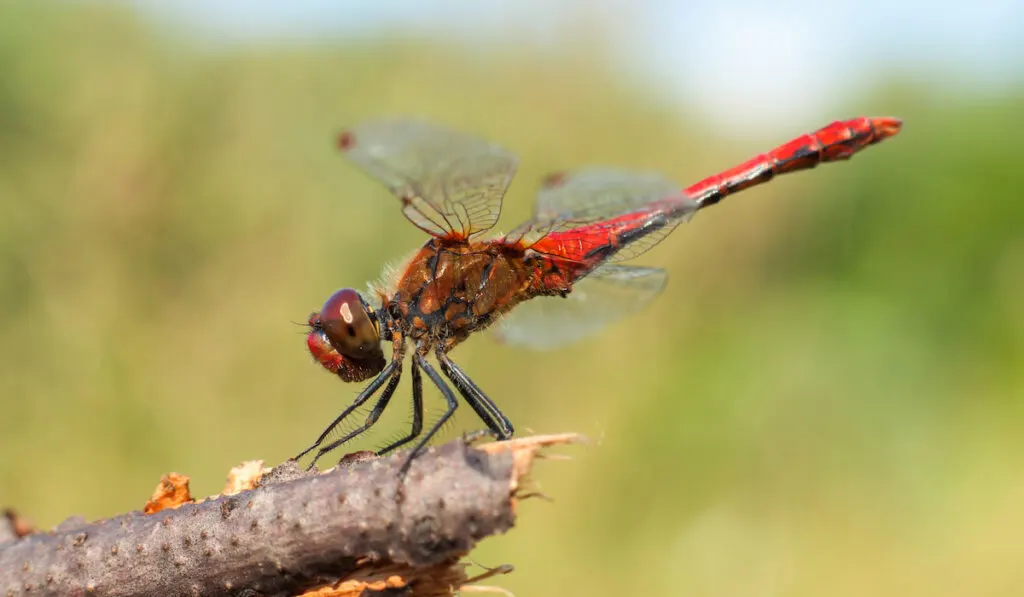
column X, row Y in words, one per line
column 837, row 141
column 585, row 247
column 629, row 234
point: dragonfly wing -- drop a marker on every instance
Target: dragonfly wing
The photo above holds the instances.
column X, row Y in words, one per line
column 597, row 193
column 605, row 295
column 450, row 184
column 587, row 207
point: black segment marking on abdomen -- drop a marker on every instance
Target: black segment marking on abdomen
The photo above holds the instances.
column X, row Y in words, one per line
column 804, row 155
column 652, row 225
column 732, row 186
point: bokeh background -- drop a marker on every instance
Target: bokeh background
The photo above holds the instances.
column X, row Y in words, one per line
column 828, row 399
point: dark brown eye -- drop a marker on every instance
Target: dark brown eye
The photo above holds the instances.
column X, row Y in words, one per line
column 348, row 322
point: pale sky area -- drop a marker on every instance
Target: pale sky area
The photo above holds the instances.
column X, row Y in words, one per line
column 740, row 63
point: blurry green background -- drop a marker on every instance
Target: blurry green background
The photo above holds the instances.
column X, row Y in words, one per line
column 828, row 399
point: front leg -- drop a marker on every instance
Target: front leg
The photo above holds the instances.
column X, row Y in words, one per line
column 371, row 418
column 366, row 394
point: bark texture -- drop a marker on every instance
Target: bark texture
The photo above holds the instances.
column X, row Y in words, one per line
column 357, row 529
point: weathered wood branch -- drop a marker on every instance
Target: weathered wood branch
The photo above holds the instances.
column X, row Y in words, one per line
column 357, row 528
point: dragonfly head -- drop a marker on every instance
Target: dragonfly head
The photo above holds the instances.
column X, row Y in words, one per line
column 344, row 337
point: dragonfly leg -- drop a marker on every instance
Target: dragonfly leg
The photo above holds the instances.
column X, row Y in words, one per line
column 449, row 397
column 484, row 407
column 371, row 418
column 388, row 373
column 417, row 412
column 471, row 437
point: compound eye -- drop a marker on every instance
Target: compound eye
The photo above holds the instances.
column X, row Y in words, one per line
column 350, row 325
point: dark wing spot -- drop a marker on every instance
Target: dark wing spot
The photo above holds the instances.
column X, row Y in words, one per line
column 346, row 141
column 555, row 179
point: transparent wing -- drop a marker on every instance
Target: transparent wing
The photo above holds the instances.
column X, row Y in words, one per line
column 597, row 193
column 605, row 295
column 593, row 206
column 450, row 184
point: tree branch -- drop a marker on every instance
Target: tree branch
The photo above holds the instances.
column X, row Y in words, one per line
column 358, row 527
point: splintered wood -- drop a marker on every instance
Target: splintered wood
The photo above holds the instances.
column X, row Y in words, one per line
column 172, row 492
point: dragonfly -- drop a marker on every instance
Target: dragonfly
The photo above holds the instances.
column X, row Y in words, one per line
column 554, row 279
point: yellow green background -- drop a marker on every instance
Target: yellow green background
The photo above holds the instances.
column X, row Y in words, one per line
column 826, row 400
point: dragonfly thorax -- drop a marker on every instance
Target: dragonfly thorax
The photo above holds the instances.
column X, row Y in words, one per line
column 448, row 290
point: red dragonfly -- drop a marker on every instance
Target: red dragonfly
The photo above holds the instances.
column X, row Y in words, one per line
column 551, row 280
